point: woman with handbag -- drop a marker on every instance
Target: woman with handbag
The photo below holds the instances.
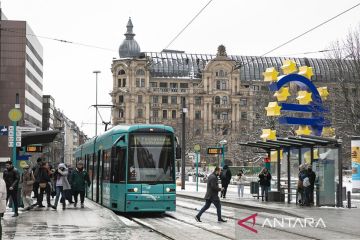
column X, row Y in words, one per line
column 27, row 180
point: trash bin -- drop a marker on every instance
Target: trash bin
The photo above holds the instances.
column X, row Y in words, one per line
column 254, row 188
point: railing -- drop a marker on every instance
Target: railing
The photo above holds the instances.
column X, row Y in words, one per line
column 168, row 90
column 221, row 121
column 222, row 106
column 155, row 120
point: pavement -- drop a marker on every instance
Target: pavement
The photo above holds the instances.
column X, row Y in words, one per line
column 91, row 222
column 250, row 202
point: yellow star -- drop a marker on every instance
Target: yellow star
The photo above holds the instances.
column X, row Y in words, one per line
column 273, row 156
column 282, row 94
column 268, row 134
column 304, row 97
column 270, row 74
column 303, row 130
column 323, row 91
column 306, row 71
column 273, row 109
column 328, row 132
column 289, row 66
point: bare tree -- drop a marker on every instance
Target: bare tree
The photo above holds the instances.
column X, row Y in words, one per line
column 346, row 102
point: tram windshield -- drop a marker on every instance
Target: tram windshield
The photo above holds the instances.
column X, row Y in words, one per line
column 151, row 158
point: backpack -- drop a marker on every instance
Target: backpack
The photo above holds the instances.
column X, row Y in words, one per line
column 306, row 182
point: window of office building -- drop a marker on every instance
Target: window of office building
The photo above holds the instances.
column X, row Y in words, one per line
column 155, row 113
column 163, row 85
column 225, row 115
column 243, row 115
column 155, row 99
column 140, row 72
column 223, row 84
column 243, row 102
column 173, row 99
column 140, row 99
column 184, row 85
column 121, row 99
column 121, row 113
column 197, row 100
column 124, row 82
column 121, row 72
column 164, row 99
column 218, row 84
column 164, row 115
column 225, row 100
column 197, row 115
column 119, row 83
column 140, row 82
column 140, row 113
column 255, row 87
column 173, row 114
column 217, row 100
column 153, row 84
column 173, row 86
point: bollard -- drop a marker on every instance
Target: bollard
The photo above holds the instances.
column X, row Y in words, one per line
column 349, row 199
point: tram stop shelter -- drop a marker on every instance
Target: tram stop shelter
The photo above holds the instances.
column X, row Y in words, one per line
column 324, row 154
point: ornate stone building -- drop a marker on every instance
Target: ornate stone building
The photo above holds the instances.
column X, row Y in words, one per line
column 225, row 95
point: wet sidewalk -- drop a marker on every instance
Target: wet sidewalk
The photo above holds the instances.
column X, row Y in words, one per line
column 91, row 222
column 250, row 202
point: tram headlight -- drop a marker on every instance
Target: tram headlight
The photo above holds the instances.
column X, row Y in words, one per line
column 136, row 189
column 167, row 189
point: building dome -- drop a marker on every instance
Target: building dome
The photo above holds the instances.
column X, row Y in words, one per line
column 129, row 48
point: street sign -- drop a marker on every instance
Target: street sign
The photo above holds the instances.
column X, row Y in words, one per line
column 11, row 144
column 23, row 129
column 15, row 115
column 11, row 133
column 11, row 139
column 3, row 130
column 197, row 148
column 214, row 150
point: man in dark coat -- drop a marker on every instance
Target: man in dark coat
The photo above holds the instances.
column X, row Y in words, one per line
column 78, row 180
column 265, row 183
column 11, row 178
column 36, row 170
column 312, row 177
column 211, row 196
column 225, row 178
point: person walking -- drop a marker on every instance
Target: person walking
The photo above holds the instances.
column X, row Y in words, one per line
column 312, row 178
column 11, row 178
column 62, row 184
column 36, row 171
column 44, row 185
column 212, row 195
column 225, row 178
column 3, row 195
column 27, row 180
column 240, row 181
column 265, row 181
column 78, row 181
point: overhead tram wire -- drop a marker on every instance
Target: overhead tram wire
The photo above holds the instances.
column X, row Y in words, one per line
column 302, row 34
column 202, row 9
column 60, row 40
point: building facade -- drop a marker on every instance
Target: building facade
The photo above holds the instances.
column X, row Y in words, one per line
column 48, row 113
column 225, row 95
column 21, row 72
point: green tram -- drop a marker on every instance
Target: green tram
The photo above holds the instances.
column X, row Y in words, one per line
column 132, row 168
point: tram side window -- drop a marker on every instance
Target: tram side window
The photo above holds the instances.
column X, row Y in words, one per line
column 118, row 161
column 106, row 157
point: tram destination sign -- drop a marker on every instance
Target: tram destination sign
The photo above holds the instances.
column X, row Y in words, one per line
column 214, row 150
column 151, row 139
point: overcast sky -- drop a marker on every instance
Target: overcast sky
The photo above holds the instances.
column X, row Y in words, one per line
column 250, row 27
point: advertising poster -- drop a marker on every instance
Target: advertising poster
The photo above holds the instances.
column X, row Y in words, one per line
column 355, row 162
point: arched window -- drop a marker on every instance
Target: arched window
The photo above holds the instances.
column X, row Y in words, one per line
column 217, row 100
column 121, row 72
column 121, row 113
column 225, row 100
column 140, row 72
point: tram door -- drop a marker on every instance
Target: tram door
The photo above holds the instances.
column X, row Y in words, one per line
column 95, row 196
column 101, row 173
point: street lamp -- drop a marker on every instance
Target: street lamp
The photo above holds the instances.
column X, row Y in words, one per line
column 96, row 102
column 223, row 143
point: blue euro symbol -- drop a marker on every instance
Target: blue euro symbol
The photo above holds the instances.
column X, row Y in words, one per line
column 316, row 108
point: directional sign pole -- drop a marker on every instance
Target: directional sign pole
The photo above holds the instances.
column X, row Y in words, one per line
column 14, row 146
column 197, row 171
